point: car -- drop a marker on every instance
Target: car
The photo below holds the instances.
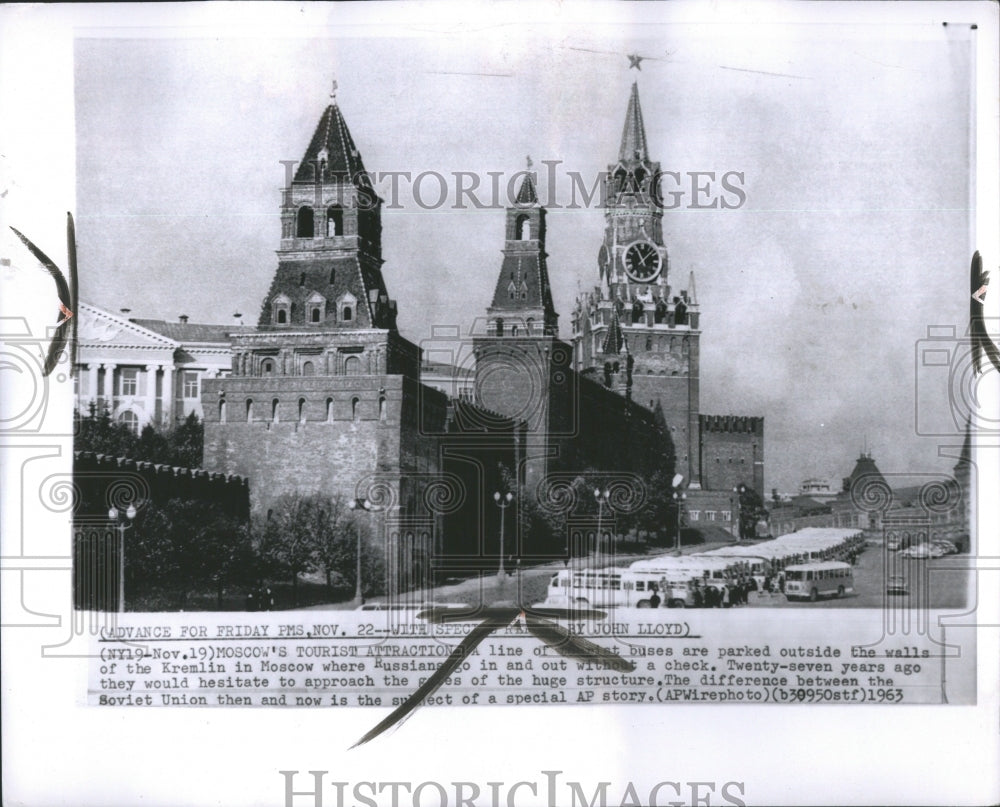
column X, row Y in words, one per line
column 947, row 547
column 897, row 585
column 918, row 552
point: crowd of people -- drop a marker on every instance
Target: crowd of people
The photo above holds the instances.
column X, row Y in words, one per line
column 731, row 594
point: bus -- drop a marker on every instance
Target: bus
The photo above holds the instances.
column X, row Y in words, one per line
column 810, row 581
column 717, row 572
column 626, row 588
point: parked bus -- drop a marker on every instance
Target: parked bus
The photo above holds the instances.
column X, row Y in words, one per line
column 626, row 588
column 708, row 570
column 811, row 581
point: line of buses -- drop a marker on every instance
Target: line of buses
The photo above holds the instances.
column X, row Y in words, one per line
column 816, row 562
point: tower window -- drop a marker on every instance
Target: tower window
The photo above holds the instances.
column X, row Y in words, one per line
column 308, row 368
column 352, row 366
column 513, row 330
column 499, row 323
column 315, row 314
column 280, row 308
column 381, row 407
column 304, row 223
column 334, row 222
column 348, row 314
column 266, row 367
column 329, row 410
column 302, row 410
column 523, row 228
column 529, row 326
column 249, row 410
column 222, row 410
column 302, row 279
column 274, row 410
column 333, row 276
column 354, row 408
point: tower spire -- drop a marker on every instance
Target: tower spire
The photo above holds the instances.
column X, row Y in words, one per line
column 633, row 145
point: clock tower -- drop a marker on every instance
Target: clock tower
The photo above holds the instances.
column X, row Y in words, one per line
column 637, row 331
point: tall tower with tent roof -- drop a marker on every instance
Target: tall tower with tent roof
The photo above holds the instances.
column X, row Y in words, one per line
column 637, row 331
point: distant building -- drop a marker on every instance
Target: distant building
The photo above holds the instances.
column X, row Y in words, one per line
column 146, row 370
column 938, row 508
column 816, row 488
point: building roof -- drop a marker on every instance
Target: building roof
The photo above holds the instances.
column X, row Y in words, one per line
column 633, row 145
column 615, row 339
column 866, row 471
column 526, row 194
column 525, row 273
column 332, row 143
column 192, row 332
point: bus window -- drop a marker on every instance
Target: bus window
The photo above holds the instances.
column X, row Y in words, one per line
column 640, row 585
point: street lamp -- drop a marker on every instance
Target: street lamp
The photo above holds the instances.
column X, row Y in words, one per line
column 115, row 516
column 679, row 497
column 601, row 496
column 362, row 504
column 503, row 502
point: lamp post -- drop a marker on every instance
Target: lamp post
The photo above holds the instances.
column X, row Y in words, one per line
column 116, row 517
column 601, row 497
column 359, row 504
column 503, row 502
column 679, row 497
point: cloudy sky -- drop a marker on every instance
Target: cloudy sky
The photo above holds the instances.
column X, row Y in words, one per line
column 854, row 143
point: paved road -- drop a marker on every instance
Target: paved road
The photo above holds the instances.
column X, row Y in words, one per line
column 936, row 583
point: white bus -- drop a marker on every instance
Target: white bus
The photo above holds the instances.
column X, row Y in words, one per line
column 810, row 581
column 717, row 572
column 626, row 588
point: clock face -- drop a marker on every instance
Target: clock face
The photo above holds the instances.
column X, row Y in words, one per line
column 642, row 261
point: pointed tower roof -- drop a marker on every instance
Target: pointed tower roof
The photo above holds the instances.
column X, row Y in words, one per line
column 615, row 339
column 866, row 472
column 331, row 143
column 634, row 133
column 526, row 194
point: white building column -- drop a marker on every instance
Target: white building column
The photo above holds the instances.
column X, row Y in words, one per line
column 148, row 390
column 168, row 393
column 108, row 393
column 92, row 390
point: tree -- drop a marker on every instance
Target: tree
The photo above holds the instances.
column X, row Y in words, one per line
column 183, row 446
column 98, row 432
column 334, row 544
column 152, row 446
column 187, row 443
column 752, row 510
column 185, row 546
column 289, row 541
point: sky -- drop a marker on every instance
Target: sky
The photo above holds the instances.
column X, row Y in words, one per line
column 853, row 141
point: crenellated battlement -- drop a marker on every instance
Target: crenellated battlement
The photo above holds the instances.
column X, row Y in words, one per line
column 732, row 424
